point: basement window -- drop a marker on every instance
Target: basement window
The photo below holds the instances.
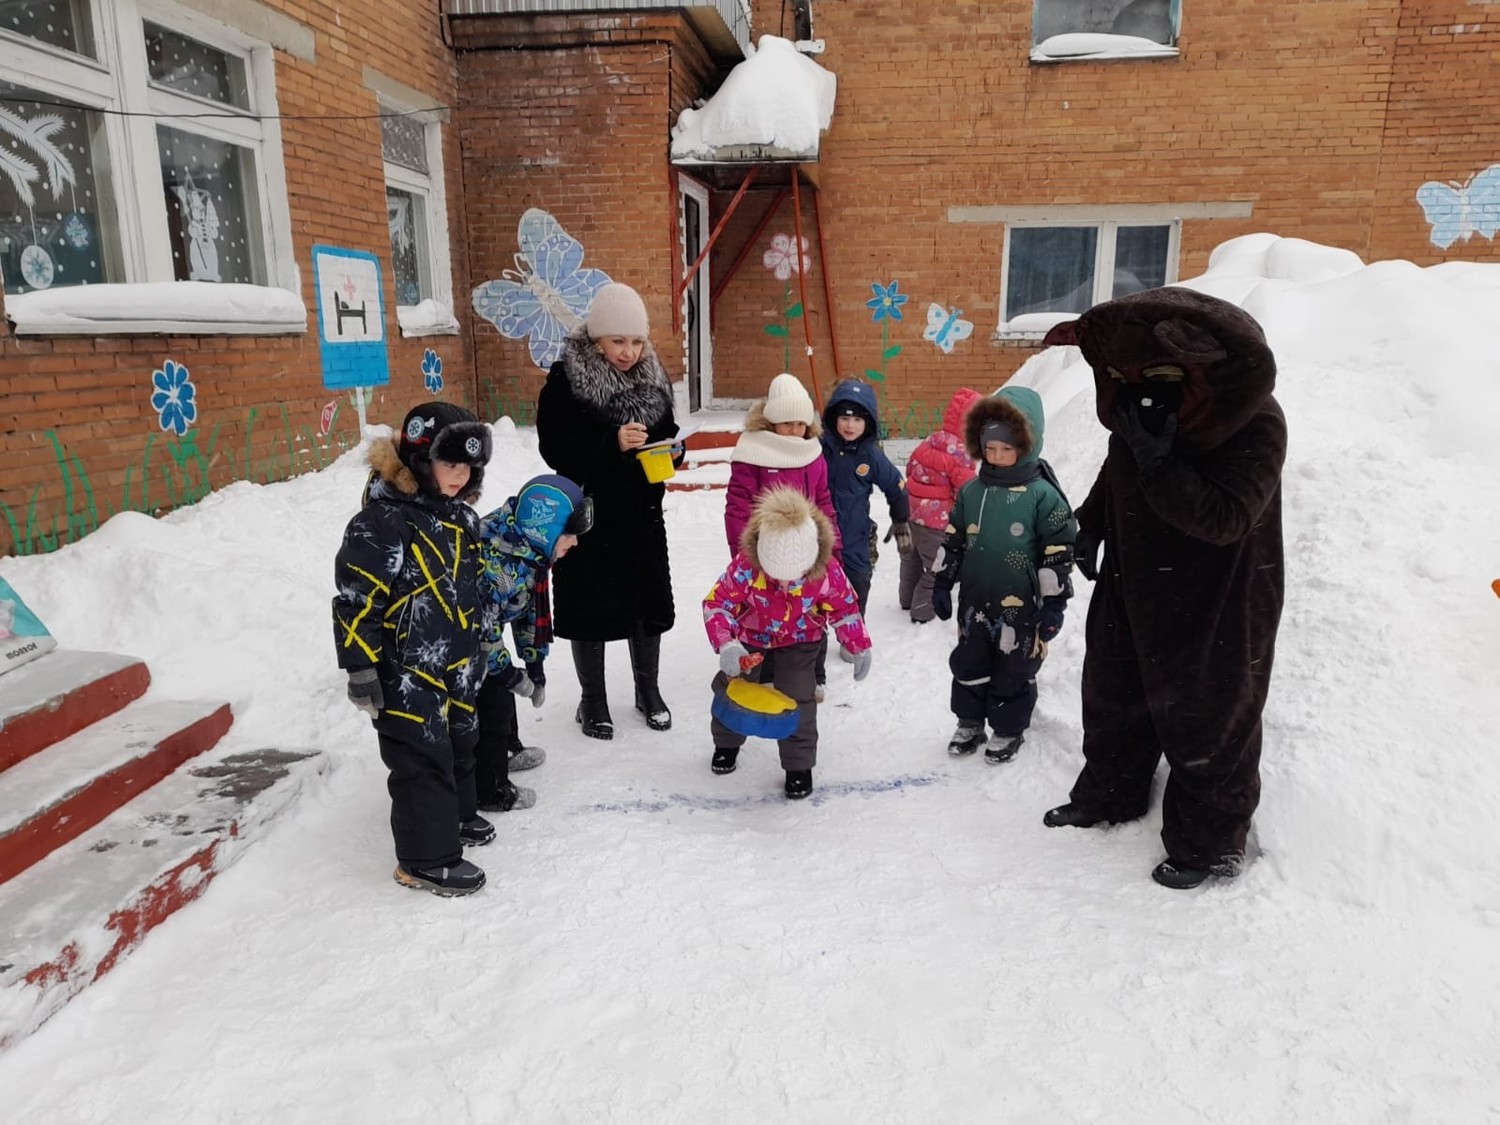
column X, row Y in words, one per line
column 1053, row 272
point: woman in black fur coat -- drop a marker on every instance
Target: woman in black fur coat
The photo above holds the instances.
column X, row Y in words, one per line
column 603, row 400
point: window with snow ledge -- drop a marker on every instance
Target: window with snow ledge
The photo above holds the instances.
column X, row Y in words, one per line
column 416, row 206
column 176, row 308
column 139, row 145
column 1104, row 29
column 1052, row 271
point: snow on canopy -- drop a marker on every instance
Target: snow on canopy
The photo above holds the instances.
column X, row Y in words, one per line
column 777, row 99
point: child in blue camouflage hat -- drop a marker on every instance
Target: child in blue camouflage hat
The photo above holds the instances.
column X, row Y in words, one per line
column 519, row 542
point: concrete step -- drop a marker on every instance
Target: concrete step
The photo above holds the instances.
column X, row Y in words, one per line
column 54, row 795
column 76, row 914
column 59, row 694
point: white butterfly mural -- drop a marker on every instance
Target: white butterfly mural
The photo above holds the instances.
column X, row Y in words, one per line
column 1459, row 211
column 945, row 328
column 546, row 296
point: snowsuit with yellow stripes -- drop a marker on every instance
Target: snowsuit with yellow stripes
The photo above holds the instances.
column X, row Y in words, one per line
column 409, row 604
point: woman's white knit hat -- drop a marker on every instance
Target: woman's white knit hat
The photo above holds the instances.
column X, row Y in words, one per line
column 788, row 401
column 618, row 311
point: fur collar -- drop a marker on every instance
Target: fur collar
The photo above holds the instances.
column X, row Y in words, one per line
column 642, row 394
column 783, row 509
column 390, row 479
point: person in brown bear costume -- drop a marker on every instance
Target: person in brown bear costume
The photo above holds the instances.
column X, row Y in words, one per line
column 1182, row 626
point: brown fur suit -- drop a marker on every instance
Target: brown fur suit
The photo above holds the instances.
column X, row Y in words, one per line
column 1182, row 626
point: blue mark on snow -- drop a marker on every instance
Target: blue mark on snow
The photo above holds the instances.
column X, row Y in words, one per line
column 719, row 804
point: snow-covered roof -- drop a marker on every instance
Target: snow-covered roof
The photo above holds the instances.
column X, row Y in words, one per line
column 774, row 105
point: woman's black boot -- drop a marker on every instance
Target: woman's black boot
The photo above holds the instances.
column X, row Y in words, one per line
column 593, row 706
column 645, row 660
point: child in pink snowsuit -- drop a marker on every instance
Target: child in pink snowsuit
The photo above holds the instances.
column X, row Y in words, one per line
column 935, row 472
column 779, row 448
column 779, row 594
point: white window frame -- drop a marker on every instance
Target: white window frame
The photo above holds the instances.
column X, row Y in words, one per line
column 119, row 83
column 1124, row 47
column 432, row 187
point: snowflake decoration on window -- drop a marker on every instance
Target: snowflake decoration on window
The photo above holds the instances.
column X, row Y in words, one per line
column 173, row 398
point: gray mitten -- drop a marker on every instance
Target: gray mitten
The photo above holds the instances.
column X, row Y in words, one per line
column 365, row 693
column 729, row 658
column 861, row 662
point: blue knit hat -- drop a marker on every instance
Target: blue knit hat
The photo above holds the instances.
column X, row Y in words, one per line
column 549, row 507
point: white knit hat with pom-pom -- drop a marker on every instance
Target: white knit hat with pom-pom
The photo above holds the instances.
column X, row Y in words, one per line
column 788, row 551
column 788, row 401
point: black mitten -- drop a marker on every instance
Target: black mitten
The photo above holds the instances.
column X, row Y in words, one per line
column 365, row 693
column 942, row 601
column 1086, row 554
column 1152, row 450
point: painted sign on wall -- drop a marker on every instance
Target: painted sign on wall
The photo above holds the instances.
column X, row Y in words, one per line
column 351, row 318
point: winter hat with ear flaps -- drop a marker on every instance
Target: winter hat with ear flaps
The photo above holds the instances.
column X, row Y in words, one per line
column 788, row 401
column 618, row 310
column 549, row 507
column 444, row 431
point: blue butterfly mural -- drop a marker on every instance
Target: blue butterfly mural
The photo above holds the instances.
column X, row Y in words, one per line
column 548, row 293
column 1459, row 211
column 944, row 328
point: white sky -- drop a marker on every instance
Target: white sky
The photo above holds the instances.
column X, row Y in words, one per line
column 659, row 944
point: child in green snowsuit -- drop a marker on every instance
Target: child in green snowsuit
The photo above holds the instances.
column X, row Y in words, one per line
column 1009, row 548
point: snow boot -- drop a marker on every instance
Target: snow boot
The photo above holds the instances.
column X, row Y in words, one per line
column 526, row 758
column 725, row 760
column 463, row 878
column 593, row 706
column 645, row 661
column 475, row 832
column 1003, row 749
column 512, row 797
column 1071, row 816
column 968, row 738
column 798, row 784
column 1178, row 876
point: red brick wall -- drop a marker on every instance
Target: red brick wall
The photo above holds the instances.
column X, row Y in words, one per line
column 78, row 437
column 571, row 115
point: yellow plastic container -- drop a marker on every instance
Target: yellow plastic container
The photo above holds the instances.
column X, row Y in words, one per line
column 657, row 463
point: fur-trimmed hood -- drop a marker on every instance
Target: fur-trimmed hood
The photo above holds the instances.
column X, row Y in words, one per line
column 1020, row 408
column 391, row 479
column 642, row 394
column 783, row 509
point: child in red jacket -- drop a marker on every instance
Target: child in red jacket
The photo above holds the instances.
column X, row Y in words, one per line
column 936, row 470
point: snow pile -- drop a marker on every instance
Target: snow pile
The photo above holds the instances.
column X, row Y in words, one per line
column 1098, row 45
column 910, row 944
column 180, row 306
column 776, row 100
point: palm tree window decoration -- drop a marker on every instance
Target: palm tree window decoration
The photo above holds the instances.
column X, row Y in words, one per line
column 46, row 238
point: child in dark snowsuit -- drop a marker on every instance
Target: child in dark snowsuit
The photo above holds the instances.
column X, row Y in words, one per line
column 1009, row 548
column 777, row 598
column 406, row 624
column 856, row 467
column 520, row 540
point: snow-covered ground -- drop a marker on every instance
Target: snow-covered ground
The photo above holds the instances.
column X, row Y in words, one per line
column 658, row 944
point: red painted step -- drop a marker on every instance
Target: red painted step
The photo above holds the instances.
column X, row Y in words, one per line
column 54, row 796
column 60, row 694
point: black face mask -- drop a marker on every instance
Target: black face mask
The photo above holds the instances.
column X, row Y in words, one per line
column 1155, row 401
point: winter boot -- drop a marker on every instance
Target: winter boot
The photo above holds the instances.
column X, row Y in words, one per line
column 463, row 878
column 798, row 784
column 725, row 760
column 1177, row 876
column 593, row 706
column 512, row 797
column 968, row 738
column 1071, row 816
column 645, row 660
column 1003, row 749
column 526, row 758
column 475, row 832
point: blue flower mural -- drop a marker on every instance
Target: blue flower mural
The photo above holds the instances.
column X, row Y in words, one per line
column 548, row 293
column 887, row 301
column 432, row 371
column 173, row 397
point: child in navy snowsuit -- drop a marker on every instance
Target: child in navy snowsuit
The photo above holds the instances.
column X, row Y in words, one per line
column 406, row 625
column 520, row 540
column 856, row 467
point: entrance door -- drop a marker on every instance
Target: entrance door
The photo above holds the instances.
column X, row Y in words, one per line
column 695, row 299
